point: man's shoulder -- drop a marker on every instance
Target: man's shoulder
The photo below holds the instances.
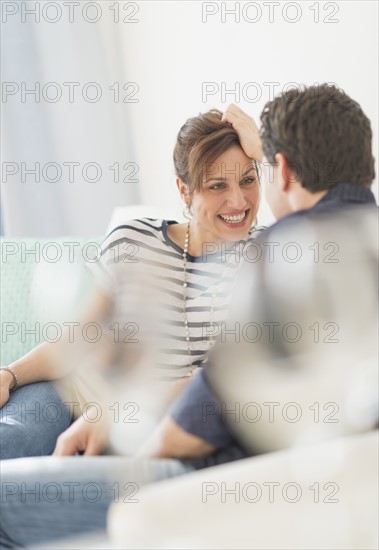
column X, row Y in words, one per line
column 349, row 214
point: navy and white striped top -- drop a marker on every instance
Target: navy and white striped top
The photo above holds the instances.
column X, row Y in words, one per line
column 145, row 273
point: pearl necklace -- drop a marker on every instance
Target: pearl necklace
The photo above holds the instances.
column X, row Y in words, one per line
column 211, row 338
column 185, row 286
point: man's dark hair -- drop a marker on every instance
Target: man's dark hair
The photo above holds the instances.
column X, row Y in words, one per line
column 324, row 135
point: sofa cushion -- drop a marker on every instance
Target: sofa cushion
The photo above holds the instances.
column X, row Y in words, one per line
column 27, row 267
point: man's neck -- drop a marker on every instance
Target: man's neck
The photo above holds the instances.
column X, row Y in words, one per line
column 301, row 199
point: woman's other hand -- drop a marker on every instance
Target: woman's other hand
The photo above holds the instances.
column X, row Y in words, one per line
column 6, row 384
column 86, row 434
column 247, row 131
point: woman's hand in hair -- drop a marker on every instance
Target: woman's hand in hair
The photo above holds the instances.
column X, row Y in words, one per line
column 247, row 131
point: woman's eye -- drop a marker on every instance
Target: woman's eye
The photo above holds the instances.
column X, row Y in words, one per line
column 248, row 181
column 217, row 186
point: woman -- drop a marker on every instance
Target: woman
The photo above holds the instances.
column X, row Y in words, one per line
column 192, row 265
column 219, row 184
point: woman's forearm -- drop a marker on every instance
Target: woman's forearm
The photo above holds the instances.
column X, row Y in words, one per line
column 44, row 361
column 35, row 366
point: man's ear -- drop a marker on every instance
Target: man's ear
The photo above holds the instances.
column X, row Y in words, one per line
column 183, row 190
column 286, row 175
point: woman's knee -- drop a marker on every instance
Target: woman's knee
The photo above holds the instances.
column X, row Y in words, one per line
column 15, row 441
column 31, row 421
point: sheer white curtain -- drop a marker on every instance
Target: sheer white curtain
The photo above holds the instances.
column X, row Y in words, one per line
column 71, row 132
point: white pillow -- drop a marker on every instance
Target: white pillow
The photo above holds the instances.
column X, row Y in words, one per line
column 122, row 214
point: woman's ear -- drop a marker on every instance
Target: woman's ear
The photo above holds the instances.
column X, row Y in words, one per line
column 183, row 190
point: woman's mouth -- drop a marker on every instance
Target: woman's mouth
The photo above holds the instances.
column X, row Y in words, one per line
column 235, row 219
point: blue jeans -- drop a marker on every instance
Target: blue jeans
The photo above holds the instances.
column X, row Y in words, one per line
column 49, row 498
column 32, row 420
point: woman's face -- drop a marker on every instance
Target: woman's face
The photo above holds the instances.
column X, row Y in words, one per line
column 226, row 206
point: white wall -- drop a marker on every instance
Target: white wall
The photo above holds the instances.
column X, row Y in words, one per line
column 168, row 51
column 173, row 53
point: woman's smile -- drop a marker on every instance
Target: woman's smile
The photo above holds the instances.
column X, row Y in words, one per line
column 235, row 219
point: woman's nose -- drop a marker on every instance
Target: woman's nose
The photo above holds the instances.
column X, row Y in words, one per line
column 236, row 199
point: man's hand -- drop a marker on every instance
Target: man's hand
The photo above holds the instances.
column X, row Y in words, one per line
column 247, row 131
column 83, row 435
column 170, row 441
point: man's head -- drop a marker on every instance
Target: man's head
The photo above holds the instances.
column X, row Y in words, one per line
column 312, row 140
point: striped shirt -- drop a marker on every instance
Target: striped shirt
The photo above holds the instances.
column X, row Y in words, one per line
column 144, row 270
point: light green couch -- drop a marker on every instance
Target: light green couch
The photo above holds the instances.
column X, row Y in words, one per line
column 20, row 302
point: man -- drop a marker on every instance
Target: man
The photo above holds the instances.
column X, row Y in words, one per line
column 319, row 167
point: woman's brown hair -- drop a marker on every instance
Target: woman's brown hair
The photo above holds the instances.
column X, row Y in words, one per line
column 201, row 140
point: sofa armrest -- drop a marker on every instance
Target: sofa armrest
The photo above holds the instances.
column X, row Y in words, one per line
column 323, row 496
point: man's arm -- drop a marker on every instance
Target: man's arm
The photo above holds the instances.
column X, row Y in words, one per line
column 170, row 441
column 193, row 426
